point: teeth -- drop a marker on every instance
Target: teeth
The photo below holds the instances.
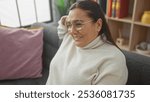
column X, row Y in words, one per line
column 77, row 37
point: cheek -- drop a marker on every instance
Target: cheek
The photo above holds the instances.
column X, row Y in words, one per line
column 88, row 36
column 91, row 31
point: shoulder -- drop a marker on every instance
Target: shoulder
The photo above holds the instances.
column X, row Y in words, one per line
column 112, row 53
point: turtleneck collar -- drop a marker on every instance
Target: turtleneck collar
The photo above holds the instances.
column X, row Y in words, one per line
column 94, row 44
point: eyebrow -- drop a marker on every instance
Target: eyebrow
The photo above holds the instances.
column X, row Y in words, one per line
column 75, row 21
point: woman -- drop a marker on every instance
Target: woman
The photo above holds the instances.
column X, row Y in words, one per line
column 87, row 55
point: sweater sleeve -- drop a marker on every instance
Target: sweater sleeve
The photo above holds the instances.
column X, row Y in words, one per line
column 61, row 30
column 112, row 72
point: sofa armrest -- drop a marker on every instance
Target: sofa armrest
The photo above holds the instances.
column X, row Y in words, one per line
column 138, row 69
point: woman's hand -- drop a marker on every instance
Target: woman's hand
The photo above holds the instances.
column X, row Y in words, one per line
column 63, row 20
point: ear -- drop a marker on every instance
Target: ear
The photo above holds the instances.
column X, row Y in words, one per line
column 99, row 24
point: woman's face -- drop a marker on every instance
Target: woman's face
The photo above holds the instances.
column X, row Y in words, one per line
column 81, row 27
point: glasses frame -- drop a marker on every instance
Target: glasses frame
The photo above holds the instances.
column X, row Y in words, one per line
column 78, row 28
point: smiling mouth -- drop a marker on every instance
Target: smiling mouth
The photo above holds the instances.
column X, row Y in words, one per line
column 77, row 37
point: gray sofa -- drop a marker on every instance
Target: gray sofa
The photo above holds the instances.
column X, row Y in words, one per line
column 138, row 65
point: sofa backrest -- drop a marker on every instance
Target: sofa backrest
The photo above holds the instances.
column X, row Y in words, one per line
column 50, row 47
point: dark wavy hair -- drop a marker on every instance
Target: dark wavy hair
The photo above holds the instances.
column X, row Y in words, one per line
column 95, row 12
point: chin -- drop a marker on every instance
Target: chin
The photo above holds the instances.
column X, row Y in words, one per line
column 79, row 44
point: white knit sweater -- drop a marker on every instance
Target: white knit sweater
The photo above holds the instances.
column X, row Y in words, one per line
column 96, row 63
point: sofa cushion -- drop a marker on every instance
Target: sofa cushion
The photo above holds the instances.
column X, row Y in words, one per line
column 20, row 53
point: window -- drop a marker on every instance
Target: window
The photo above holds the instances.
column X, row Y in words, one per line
column 17, row 13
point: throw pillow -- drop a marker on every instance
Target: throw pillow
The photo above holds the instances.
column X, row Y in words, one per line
column 20, row 53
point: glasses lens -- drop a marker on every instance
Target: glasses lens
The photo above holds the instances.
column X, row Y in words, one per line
column 78, row 25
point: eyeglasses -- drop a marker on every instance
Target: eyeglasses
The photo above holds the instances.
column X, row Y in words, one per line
column 78, row 25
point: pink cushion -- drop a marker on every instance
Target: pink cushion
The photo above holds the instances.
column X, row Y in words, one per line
column 20, row 53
